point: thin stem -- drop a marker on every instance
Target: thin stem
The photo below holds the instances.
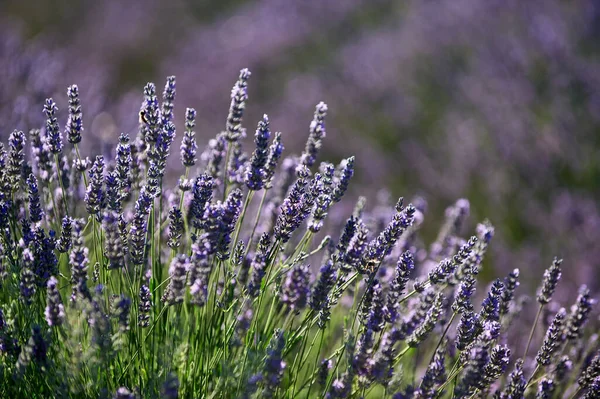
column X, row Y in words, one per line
column 537, row 317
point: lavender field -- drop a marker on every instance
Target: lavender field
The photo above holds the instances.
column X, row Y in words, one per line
column 320, row 229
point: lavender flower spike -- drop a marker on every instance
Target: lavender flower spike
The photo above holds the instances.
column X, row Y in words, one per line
column 579, row 314
column 346, row 172
column 74, row 126
column 239, row 96
column 274, row 365
column 178, row 273
column 275, row 151
column 202, row 194
column 16, row 158
column 295, row 289
column 551, row 277
column 168, row 100
column 94, row 195
column 188, row 143
column 144, row 307
column 55, row 312
column 256, row 173
column 316, row 134
column 554, row 337
column 36, row 213
column 54, row 137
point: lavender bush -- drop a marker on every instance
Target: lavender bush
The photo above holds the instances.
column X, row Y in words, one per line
column 235, row 283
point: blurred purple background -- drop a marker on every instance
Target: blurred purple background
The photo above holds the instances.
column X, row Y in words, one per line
column 496, row 101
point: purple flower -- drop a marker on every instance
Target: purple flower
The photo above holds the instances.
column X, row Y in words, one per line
column 256, row 173
column 291, row 215
column 175, row 291
column 66, row 235
column 275, row 151
column 346, row 171
column 55, row 312
column 383, row 244
column 274, row 365
column 16, row 158
column 296, row 287
column 124, row 393
column 550, row 281
column 36, row 213
column 144, row 307
column 466, row 330
column 40, row 152
column 214, row 155
column 376, row 314
column 546, row 388
column 79, row 261
column 516, row 383
column 432, row 317
column 316, row 134
column 175, row 228
column 168, row 100
column 170, row 388
column 53, row 134
column 239, row 96
column 434, row 375
column 259, row 266
column 319, row 296
column 113, row 247
column 113, row 193
column 94, row 195
column 35, row 351
column 122, row 308
column 490, row 308
column 123, row 166
column 579, row 314
column 150, row 114
column 404, row 268
column 138, row 229
column 511, row 282
column 347, row 234
column 188, row 143
column 74, row 126
column 27, row 284
column 202, row 192
column 553, row 339
column 466, row 289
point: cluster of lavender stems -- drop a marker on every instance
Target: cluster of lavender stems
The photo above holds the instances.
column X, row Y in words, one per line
column 244, row 279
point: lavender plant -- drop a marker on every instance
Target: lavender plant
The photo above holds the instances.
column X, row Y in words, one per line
column 203, row 290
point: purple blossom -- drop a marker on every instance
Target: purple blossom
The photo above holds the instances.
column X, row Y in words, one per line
column 550, row 281
column 274, row 365
column 296, row 287
column 256, row 172
column 94, row 195
column 275, row 151
column 346, row 171
column 188, row 143
column 74, row 126
column 168, row 100
column 319, row 296
column 239, row 96
column 144, row 307
column 175, row 291
column 259, row 266
column 53, row 134
column 36, row 213
column 202, row 192
column 113, row 247
column 316, row 134
column 55, row 312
